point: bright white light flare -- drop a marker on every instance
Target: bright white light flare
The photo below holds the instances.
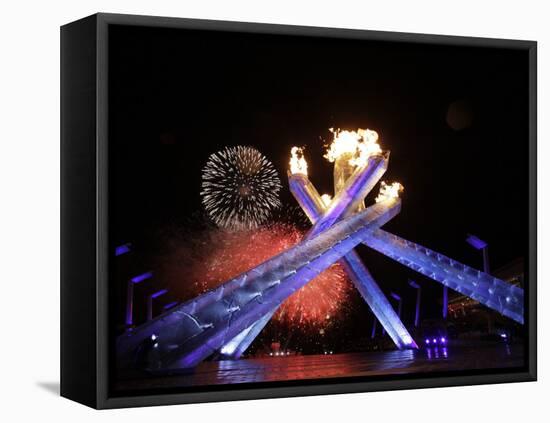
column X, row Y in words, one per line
column 389, row 191
column 298, row 162
column 240, row 188
column 358, row 145
column 327, row 199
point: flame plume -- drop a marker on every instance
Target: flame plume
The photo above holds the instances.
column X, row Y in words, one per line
column 389, row 191
column 298, row 162
column 356, row 146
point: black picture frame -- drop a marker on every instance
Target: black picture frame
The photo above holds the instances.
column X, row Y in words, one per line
column 85, row 217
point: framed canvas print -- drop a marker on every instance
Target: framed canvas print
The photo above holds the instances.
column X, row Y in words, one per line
column 256, row 211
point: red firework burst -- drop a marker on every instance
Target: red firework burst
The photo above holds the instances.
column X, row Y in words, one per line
column 204, row 262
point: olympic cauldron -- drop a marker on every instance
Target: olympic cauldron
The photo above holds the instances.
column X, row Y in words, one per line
column 227, row 319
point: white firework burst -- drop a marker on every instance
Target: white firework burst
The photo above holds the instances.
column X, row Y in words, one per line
column 240, row 188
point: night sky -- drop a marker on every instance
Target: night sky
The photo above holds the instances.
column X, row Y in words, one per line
column 454, row 118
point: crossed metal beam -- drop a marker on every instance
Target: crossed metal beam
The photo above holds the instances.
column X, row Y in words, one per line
column 190, row 332
column 494, row 293
column 347, row 200
column 228, row 318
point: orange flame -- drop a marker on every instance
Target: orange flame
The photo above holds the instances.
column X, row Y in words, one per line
column 389, row 192
column 360, row 145
column 298, row 162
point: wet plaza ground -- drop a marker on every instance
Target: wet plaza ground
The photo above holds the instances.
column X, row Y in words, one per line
column 267, row 369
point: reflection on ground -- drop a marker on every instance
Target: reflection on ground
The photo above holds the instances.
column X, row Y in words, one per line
column 425, row 360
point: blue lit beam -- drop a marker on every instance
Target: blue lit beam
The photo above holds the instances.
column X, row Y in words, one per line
column 235, row 348
column 494, row 293
column 501, row 296
column 185, row 337
column 347, row 200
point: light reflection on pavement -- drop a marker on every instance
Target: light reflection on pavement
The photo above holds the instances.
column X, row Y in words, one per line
column 265, row 369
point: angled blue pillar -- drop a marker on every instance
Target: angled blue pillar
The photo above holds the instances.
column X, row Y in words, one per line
column 492, row 292
column 377, row 301
column 186, row 335
column 348, row 199
column 235, row 348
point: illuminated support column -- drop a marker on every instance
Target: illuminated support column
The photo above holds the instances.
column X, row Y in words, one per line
column 399, row 302
column 494, row 293
column 445, row 301
column 150, row 299
column 374, row 323
column 307, row 196
column 377, row 301
column 351, row 195
column 349, row 198
column 185, row 336
column 417, row 307
column 238, row 345
column 130, row 296
column 309, row 199
column 482, row 246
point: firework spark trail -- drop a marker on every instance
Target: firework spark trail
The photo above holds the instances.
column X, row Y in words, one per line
column 240, row 188
column 204, row 261
column 317, row 303
column 292, row 216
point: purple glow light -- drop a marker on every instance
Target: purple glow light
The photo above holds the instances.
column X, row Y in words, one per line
column 427, row 341
column 122, row 249
column 413, row 284
column 142, row 277
column 159, row 293
column 434, row 341
column 395, row 296
column 475, row 242
column 170, row 305
column 443, row 340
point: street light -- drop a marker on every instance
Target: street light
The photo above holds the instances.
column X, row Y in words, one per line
column 123, row 249
column 479, row 244
column 150, row 299
column 397, row 298
column 400, row 302
column 130, row 295
column 414, row 285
